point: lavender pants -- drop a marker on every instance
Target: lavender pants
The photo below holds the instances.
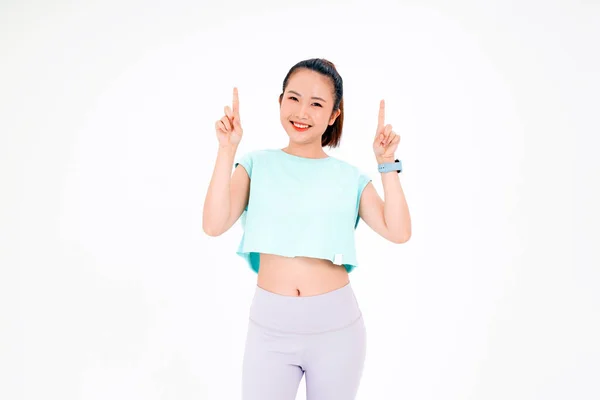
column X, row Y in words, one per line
column 322, row 336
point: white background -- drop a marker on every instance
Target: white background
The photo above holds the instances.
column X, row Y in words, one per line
column 109, row 289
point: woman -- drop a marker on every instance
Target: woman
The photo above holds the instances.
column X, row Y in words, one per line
column 299, row 215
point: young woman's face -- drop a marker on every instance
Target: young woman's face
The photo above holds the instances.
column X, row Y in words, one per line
column 307, row 100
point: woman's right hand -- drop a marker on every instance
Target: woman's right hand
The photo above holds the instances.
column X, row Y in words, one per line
column 229, row 127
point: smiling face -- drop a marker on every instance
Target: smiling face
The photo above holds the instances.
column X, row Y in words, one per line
column 307, row 100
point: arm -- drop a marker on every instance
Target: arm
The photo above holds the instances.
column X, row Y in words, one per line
column 389, row 218
column 218, row 197
column 227, row 196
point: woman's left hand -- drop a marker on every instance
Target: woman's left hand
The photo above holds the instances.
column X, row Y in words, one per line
column 386, row 141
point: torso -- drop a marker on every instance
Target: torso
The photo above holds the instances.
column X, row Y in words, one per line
column 299, row 276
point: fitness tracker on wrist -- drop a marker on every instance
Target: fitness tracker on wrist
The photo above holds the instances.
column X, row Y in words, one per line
column 388, row 167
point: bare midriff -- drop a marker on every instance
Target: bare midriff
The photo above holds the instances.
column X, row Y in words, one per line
column 300, row 276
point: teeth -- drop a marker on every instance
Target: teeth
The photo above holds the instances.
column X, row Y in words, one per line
column 300, row 125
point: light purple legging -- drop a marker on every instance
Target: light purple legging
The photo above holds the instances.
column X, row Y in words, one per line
column 323, row 336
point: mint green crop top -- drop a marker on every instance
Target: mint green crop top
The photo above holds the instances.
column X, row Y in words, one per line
column 300, row 206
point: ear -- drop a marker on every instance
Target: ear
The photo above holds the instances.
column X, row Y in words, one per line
column 280, row 97
column 334, row 116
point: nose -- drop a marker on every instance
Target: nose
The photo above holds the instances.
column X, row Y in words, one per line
column 301, row 111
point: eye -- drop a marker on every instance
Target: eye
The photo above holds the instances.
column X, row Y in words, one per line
column 294, row 98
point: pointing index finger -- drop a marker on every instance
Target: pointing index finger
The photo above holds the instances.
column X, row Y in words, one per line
column 236, row 103
column 381, row 121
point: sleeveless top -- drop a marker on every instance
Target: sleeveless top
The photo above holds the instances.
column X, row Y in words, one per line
column 300, row 206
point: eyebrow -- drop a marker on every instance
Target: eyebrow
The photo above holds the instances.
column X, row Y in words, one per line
column 296, row 93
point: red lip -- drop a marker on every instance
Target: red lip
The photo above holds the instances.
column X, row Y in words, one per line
column 299, row 129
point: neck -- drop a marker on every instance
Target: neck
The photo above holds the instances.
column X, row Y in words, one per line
column 305, row 151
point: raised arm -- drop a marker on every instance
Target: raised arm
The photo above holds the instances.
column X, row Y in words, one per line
column 227, row 195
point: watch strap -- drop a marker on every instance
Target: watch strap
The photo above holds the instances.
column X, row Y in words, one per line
column 392, row 166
